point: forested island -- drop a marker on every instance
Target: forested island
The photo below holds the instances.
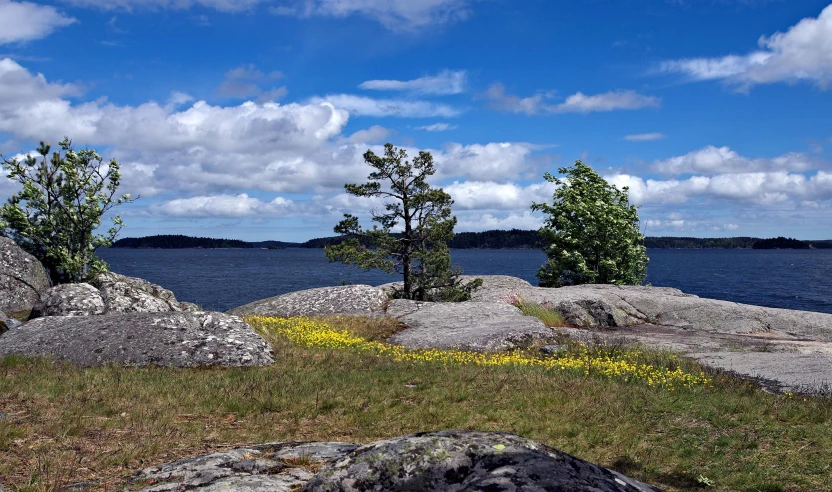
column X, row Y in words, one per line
column 496, row 239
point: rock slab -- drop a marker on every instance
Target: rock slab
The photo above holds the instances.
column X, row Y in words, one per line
column 70, row 300
column 135, row 339
column 434, row 461
column 22, row 279
column 350, row 300
column 477, row 326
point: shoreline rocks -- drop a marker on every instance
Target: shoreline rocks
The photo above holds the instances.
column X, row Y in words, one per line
column 347, row 300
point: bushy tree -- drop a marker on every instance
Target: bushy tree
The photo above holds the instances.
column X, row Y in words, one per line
column 591, row 235
column 420, row 252
column 57, row 212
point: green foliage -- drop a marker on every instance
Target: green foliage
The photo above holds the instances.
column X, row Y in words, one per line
column 420, row 253
column 55, row 215
column 592, row 233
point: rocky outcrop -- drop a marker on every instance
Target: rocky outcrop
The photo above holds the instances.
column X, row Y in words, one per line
column 434, row 461
column 22, row 279
column 324, row 301
column 109, row 293
column 123, row 294
column 466, row 460
column 165, row 339
column 70, row 300
column 473, row 326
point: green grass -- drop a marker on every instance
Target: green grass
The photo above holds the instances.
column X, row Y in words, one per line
column 101, row 424
column 549, row 316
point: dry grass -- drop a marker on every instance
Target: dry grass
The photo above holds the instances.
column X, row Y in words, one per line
column 100, row 424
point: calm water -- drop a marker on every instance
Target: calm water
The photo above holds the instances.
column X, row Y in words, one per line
column 220, row 279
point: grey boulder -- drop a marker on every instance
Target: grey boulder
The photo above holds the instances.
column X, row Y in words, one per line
column 476, row 326
column 123, row 294
column 134, row 339
column 22, row 279
column 265, row 467
column 466, row 461
column 70, row 300
column 354, row 300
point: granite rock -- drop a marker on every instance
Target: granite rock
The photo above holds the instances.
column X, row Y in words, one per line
column 70, row 300
column 123, row 294
column 354, row 300
column 466, row 461
column 133, row 339
column 264, row 467
column 476, row 326
column 7, row 323
column 434, row 461
column 23, row 280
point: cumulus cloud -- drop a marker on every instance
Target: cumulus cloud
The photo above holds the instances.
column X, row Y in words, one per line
column 488, row 195
column 246, row 81
column 240, row 205
column 373, row 134
column 576, row 103
column 437, row 127
column 444, row 83
column 366, row 106
column 395, row 15
column 716, row 160
column 761, row 188
column 644, row 137
column 492, row 161
column 27, row 21
column 802, row 53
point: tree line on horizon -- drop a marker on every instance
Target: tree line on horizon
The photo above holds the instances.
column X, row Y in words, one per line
column 494, row 239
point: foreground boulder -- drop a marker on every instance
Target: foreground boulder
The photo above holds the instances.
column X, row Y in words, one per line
column 466, row 460
column 22, row 279
column 354, row 300
column 135, row 339
column 433, row 461
column 481, row 327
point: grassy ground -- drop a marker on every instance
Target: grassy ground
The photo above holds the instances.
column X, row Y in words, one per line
column 68, row 424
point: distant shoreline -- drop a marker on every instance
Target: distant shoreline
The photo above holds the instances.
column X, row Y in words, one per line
column 496, row 239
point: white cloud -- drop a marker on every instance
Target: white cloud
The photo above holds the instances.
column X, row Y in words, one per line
column 488, row 195
column 486, row 222
column 802, row 53
column 393, row 14
column 644, row 137
column 760, row 188
column 373, row 134
column 240, row 205
column 130, row 5
column 20, row 88
column 444, row 83
column 492, row 161
column 608, row 101
column 27, row 21
column 716, row 160
column 366, row 106
column 576, row 103
column 437, row 127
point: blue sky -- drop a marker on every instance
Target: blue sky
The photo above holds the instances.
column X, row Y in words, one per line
column 244, row 118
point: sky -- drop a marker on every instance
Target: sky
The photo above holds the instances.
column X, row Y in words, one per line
column 244, row 118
